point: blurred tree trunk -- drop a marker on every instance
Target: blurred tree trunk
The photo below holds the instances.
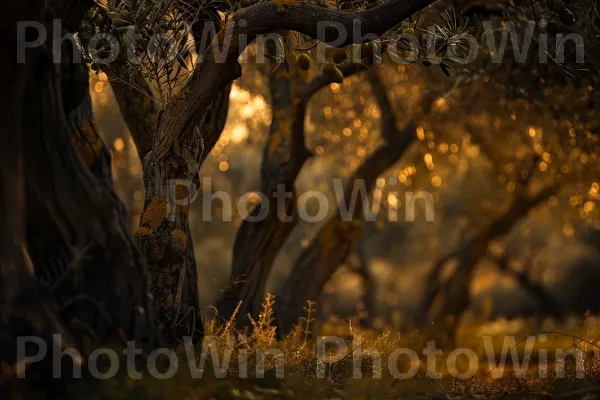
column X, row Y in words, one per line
column 547, row 304
column 262, row 235
column 445, row 302
column 267, row 227
column 339, row 236
column 368, row 311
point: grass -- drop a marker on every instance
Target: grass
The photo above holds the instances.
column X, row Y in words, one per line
column 314, row 369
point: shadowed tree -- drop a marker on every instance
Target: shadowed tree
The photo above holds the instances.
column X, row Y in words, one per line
column 339, row 236
column 444, row 302
column 262, row 235
column 70, row 265
column 86, row 254
column 180, row 145
column 548, row 306
column 26, row 308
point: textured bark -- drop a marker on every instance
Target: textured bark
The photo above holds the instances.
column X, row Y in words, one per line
column 77, row 233
column 41, row 166
column 338, row 237
column 171, row 184
column 258, row 243
column 164, row 235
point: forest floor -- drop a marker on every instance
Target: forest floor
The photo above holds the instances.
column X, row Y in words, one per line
column 485, row 360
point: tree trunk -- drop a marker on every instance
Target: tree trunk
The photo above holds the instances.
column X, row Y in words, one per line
column 339, row 236
column 547, row 304
column 25, row 307
column 164, row 235
column 263, row 233
column 171, row 185
column 368, row 313
column 77, row 233
column 444, row 303
column 46, row 190
column 258, row 243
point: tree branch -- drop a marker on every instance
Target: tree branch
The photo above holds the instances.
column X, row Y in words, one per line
column 546, row 301
column 258, row 243
column 138, row 109
column 217, row 70
column 340, row 234
column 452, row 298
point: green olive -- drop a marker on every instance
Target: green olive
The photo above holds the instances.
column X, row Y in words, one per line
column 339, row 56
column 304, row 62
column 337, row 76
column 328, row 68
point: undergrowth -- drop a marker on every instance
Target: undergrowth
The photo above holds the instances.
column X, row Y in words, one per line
column 255, row 365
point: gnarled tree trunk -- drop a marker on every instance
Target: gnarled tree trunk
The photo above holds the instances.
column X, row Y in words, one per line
column 77, row 234
column 164, row 236
column 258, row 242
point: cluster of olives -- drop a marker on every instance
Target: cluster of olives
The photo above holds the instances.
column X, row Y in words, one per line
column 338, row 56
column 99, row 20
column 407, row 28
column 565, row 15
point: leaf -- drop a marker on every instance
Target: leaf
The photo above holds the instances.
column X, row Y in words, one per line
column 182, row 62
column 445, row 68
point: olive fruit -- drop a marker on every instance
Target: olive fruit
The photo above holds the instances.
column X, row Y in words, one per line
column 304, row 62
column 339, row 56
column 91, row 13
column 98, row 19
column 368, row 51
column 328, row 68
column 337, row 76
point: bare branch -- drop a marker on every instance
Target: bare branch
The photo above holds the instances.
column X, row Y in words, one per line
column 138, row 109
